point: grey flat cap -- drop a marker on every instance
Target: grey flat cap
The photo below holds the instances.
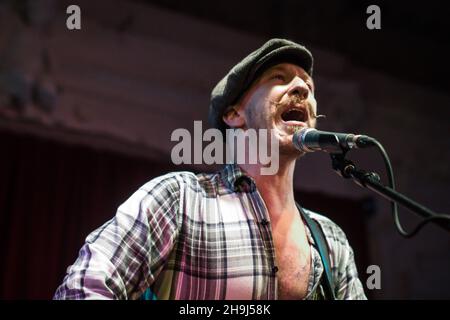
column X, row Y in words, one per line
column 228, row 91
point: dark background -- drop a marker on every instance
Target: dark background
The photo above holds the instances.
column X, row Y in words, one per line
column 411, row 45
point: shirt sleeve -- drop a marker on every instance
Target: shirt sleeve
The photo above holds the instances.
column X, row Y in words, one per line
column 348, row 286
column 121, row 259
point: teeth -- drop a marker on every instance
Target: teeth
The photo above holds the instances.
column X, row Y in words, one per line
column 296, row 109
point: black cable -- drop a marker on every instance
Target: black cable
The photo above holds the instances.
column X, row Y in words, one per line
column 394, row 205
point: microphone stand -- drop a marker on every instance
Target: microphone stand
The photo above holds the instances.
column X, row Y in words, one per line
column 371, row 180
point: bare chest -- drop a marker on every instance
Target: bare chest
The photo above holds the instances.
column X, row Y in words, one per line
column 293, row 259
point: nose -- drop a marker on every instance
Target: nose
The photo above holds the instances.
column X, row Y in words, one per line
column 299, row 88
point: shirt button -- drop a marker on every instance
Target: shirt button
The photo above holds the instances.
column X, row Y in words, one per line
column 264, row 222
column 274, row 269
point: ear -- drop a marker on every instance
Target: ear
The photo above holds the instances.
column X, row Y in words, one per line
column 234, row 117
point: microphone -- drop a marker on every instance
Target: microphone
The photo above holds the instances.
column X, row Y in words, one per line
column 310, row 140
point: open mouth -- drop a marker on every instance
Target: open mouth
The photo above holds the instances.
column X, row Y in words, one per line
column 294, row 114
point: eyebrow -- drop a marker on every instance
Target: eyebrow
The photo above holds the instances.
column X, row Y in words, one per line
column 276, row 68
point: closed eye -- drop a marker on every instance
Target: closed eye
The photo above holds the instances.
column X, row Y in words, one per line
column 278, row 76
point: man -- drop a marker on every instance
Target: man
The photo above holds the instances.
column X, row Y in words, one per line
column 235, row 234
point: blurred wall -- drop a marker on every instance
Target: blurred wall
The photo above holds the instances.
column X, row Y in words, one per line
column 135, row 72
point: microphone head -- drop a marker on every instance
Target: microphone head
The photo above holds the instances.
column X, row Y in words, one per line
column 299, row 139
column 310, row 139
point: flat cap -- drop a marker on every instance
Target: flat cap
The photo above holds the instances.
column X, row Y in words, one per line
column 228, row 90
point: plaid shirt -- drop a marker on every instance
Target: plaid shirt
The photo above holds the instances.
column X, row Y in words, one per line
column 205, row 236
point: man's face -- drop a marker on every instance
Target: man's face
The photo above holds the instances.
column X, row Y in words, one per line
column 282, row 99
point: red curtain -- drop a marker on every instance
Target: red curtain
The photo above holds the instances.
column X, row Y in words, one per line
column 52, row 195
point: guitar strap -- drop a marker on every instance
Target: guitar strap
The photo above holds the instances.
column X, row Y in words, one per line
column 322, row 247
